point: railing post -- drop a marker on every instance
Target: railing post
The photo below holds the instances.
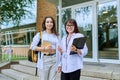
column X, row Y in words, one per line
column 0, row 53
column 0, row 44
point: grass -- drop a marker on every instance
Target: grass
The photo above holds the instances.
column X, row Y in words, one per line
column 13, row 57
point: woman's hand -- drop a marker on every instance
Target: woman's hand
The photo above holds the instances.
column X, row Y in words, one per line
column 48, row 49
column 73, row 48
column 60, row 49
column 79, row 51
column 59, row 69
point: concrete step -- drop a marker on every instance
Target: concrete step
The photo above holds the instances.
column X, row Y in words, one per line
column 82, row 78
column 27, row 63
column 91, row 78
column 24, row 69
column 3, row 77
column 106, row 71
column 18, row 75
column 90, row 70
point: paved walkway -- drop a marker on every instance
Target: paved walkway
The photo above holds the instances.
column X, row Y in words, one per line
column 102, row 70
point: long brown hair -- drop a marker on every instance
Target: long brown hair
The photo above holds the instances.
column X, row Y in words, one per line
column 54, row 25
column 73, row 22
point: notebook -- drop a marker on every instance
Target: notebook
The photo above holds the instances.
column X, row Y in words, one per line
column 78, row 43
column 45, row 44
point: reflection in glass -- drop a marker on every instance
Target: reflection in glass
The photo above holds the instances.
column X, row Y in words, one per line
column 66, row 14
column 17, row 38
column 83, row 16
column 108, row 30
column 3, row 41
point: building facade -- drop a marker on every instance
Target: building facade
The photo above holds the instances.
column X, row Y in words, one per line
column 99, row 20
column 18, row 39
column 18, row 35
column 44, row 8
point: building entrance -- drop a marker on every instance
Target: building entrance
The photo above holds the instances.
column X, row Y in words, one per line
column 98, row 21
column 108, row 30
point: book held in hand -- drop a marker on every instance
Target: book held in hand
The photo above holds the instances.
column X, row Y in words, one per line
column 45, row 44
column 78, row 43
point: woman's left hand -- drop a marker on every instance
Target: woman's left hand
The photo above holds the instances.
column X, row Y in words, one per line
column 73, row 48
column 79, row 51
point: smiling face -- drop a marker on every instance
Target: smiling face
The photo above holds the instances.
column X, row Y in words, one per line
column 49, row 24
column 70, row 28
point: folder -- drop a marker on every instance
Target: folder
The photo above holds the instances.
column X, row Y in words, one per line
column 78, row 43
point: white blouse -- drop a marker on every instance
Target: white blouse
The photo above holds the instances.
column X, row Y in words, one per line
column 49, row 37
column 69, row 62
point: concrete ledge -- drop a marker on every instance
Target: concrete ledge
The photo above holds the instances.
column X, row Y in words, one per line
column 97, row 73
column 102, row 70
column 18, row 75
column 91, row 71
column 27, row 63
column 4, row 65
column 116, row 75
column 3, row 77
column 91, row 78
column 24, row 69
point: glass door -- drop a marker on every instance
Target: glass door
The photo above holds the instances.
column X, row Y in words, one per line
column 108, row 30
column 83, row 16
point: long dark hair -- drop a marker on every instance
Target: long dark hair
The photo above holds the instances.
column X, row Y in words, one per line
column 54, row 25
column 73, row 22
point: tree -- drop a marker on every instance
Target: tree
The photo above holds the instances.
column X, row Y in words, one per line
column 14, row 10
column 107, row 19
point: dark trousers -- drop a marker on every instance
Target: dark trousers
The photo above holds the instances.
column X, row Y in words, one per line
column 71, row 76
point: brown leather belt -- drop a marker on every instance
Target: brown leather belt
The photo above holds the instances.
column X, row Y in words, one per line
column 49, row 54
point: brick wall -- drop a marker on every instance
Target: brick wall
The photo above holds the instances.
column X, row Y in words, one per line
column 44, row 8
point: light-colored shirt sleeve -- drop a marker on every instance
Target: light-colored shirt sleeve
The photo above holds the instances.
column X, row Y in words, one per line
column 84, row 50
column 35, row 41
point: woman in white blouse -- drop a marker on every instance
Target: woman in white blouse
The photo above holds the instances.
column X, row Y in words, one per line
column 71, row 65
column 47, row 64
